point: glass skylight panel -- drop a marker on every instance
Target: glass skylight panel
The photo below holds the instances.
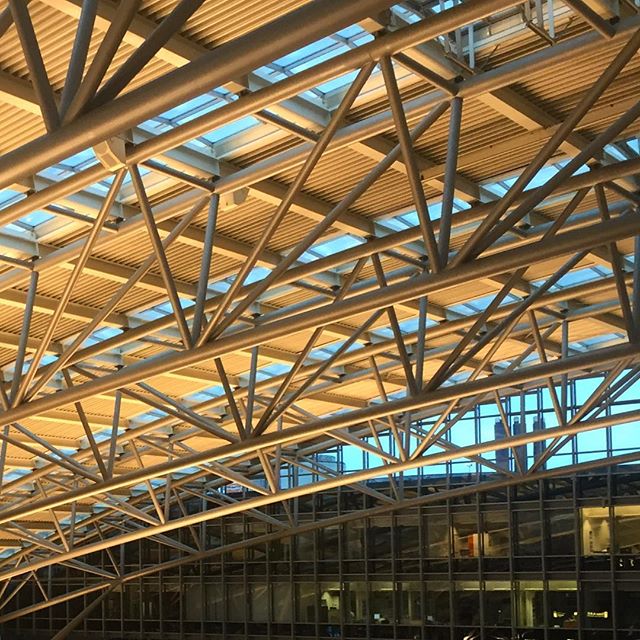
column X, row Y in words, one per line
column 150, row 314
column 384, row 332
column 315, row 53
column 350, row 32
column 276, row 369
column 336, row 245
column 329, row 349
column 411, row 218
column 105, row 434
column 257, row 273
column 336, row 49
column 496, row 188
column 235, row 127
column 337, row 83
column 9, row 196
column 602, row 271
column 581, row 169
column 206, row 395
column 79, row 160
column 612, row 150
column 304, row 53
column 36, row 218
column 397, row 395
column 198, row 105
column 104, row 334
column 460, row 205
column 463, row 308
column 480, row 304
column 408, row 14
column 573, row 278
column 186, row 111
column 410, row 325
column 395, row 223
column 599, row 340
column 543, row 176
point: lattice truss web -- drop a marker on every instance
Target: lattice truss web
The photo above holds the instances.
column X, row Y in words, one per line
column 236, row 237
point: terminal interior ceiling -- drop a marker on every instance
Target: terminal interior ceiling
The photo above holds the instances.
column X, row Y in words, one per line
column 256, row 256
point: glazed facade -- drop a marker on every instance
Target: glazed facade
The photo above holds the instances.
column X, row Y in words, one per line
column 556, row 559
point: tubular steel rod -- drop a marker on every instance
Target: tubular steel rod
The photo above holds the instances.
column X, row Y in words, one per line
column 407, row 503
column 361, row 476
column 227, row 62
column 87, row 248
column 285, row 204
column 562, row 132
column 205, row 267
column 79, row 53
column 358, row 416
column 542, row 355
column 324, row 366
column 616, row 267
column 233, row 406
column 82, row 416
column 115, row 425
column 169, row 26
column 533, row 253
column 24, row 337
column 306, row 350
column 559, row 442
column 423, row 308
column 408, row 154
column 35, row 64
column 636, row 284
column 101, row 61
column 160, row 254
column 6, row 19
column 376, row 348
column 511, row 319
column 395, row 329
column 580, row 7
column 453, row 143
column 316, row 233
